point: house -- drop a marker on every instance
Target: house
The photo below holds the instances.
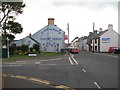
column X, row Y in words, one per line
column 50, row 38
column 80, row 43
column 105, row 39
column 75, row 43
column 85, row 46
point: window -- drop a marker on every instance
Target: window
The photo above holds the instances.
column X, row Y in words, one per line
column 90, row 40
column 95, row 48
column 95, row 40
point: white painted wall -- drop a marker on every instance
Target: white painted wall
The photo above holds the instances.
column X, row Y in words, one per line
column 55, row 42
column 113, row 42
column 85, row 44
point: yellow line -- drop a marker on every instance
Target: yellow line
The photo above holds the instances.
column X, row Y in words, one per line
column 40, row 81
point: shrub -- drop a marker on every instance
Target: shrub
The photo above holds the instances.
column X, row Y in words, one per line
column 24, row 48
column 17, row 52
column 36, row 47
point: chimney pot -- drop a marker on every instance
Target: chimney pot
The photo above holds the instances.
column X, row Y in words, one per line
column 100, row 29
column 50, row 21
column 110, row 27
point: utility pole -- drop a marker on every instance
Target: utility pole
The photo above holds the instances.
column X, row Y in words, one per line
column 8, row 48
column 93, row 35
column 68, row 32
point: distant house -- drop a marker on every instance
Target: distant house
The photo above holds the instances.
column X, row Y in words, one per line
column 80, row 41
column 85, row 46
column 105, row 39
column 100, row 41
column 75, row 43
column 50, row 38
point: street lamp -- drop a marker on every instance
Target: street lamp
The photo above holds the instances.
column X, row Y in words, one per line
column 8, row 48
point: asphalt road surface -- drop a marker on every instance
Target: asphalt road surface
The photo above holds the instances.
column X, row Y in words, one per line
column 83, row 70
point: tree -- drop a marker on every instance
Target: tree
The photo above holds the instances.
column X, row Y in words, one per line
column 10, row 28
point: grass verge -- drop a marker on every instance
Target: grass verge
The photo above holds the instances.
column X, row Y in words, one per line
column 17, row 57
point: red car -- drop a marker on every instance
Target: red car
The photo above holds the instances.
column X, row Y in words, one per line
column 74, row 51
column 112, row 49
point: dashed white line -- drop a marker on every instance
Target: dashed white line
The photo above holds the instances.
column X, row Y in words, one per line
column 70, row 61
column 75, row 61
column 97, row 85
column 37, row 62
column 84, row 70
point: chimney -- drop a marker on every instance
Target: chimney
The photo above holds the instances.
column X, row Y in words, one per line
column 100, row 29
column 50, row 21
column 90, row 33
column 110, row 27
column 95, row 31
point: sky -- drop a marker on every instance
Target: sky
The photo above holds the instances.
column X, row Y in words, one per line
column 80, row 14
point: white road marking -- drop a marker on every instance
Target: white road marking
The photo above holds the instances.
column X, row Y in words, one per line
column 97, row 85
column 75, row 61
column 70, row 61
column 84, row 70
column 51, row 59
column 56, row 59
column 11, row 65
column 21, row 61
column 37, row 62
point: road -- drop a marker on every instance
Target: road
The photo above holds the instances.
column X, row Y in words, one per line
column 83, row 70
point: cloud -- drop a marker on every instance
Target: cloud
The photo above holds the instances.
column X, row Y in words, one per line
column 90, row 5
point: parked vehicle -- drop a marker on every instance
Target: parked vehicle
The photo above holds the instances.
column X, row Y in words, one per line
column 117, row 51
column 65, row 50
column 74, row 51
column 112, row 49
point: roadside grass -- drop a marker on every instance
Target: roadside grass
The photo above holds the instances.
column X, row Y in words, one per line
column 17, row 57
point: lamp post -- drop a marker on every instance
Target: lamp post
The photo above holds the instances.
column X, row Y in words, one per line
column 8, row 48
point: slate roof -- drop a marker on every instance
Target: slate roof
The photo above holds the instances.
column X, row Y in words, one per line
column 100, row 33
column 95, row 36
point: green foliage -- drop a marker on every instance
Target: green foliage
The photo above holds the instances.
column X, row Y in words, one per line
column 12, row 49
column 24, row 48
column 8, row 13
column 15, row 27
column 36, row 47
column 16, row 52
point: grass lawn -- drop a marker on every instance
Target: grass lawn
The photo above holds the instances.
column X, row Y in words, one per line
column 16, row 57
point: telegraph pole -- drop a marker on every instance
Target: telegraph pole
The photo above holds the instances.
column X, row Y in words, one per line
column 93, row 35
column 68, row 32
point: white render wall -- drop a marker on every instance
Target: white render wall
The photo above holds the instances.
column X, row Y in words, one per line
column 112, row 42
column 85, row 44
column 50, row 37
column 26, row 41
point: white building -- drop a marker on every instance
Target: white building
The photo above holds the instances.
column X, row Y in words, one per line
column 80, row 41
column 50, row 38
column 85, row 46
column 75, row 43
column 105, row 39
